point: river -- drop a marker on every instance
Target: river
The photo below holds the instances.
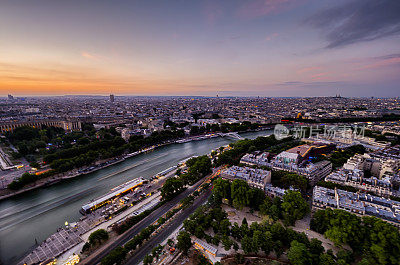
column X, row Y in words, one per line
column 37, row 214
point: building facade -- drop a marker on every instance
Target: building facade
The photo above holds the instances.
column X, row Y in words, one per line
column 66, row 125
column 256, row 178
column 360, row 204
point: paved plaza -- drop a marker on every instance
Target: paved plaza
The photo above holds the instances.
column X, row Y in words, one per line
column 58, row 243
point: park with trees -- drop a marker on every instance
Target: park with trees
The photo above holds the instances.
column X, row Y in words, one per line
column 211, row 223
column 239, row 194
column 373, row 240
column 32, row 142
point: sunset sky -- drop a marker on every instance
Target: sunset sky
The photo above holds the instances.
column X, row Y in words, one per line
column 229, row 48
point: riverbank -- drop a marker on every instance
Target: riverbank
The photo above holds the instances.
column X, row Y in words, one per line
column 7, row 193
column 37, row 214
column 73, row 173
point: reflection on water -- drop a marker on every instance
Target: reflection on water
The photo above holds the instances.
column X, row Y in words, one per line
column 37, row 214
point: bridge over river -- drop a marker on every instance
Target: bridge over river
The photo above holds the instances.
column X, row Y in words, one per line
column 233, row 135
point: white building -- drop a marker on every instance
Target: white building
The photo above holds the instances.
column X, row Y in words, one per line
column 288, row 157
column 355, row 178
column 273, row 191
column 255, row 160
column 360, row 204
column 256, row 178
column 313, row 171
column 378, row 166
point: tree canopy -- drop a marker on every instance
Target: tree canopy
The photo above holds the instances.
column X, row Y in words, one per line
column 184, row 242
column 294, row 207
column 98, row 236
column 375, row 240
column 171, row 188
column 238, row 193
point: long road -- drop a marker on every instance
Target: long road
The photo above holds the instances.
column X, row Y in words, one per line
column 97, row 256
column 161, row 236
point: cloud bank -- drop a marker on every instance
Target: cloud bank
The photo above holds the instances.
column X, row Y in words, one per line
column 358, row 21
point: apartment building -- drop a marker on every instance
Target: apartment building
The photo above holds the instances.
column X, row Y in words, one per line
column 256, row 178
column 357, row 203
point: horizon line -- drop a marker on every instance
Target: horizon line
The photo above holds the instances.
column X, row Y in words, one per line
column 172, row 96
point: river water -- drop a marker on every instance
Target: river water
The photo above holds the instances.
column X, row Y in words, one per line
column 37, row 214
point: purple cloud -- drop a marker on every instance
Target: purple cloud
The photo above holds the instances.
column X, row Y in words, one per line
column 358, row 21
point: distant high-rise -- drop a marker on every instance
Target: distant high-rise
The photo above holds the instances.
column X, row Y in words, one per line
column 10, row 97
column 112, row 98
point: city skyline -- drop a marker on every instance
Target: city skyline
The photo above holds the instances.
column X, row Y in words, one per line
column 270, row 48
column 200, row 132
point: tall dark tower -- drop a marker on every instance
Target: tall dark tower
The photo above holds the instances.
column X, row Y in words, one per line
column 112, row 98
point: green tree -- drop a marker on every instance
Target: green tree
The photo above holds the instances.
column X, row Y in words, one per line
column 327, row 259
column 235, row 231
column 133, row 243
column 239, row 258
column 224, row 227
column 294, row 207
column 320, row 220
column 184, row 242
column 238, row 191
column 346, row 256
column 374, row 240
column 257, row 240
column 244, row 228
column 316, row 249
column 156, row 252
column 35, row 164
column 148, row 259
column 226, row 242
column 199, row 231
column 267, row 243
column 247, row 244
column 255, row 198
column 85, row 247
column 298, row 254
column 383, row 240
column 285, row 180
column 116, row 256
column 98, row 236
column 171, row 188
column 265, row 206
column 345, row 228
